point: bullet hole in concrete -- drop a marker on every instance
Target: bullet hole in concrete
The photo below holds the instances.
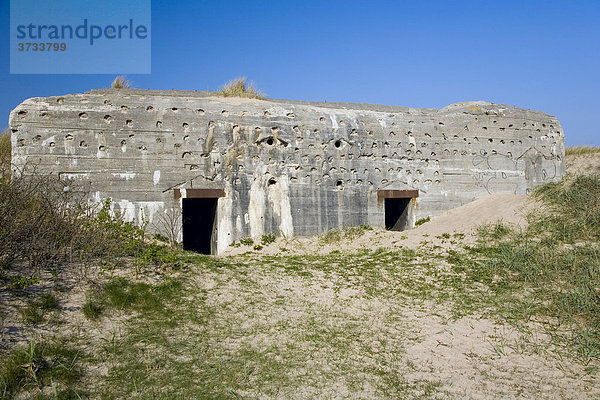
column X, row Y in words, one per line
column 225, row 113
column 509, row 154
column 108, row 119
column 475, row 139
column 484, row 128
column 524, row 124
column 83, row 115
column 83, row 144
column 101, row 148
column 21, row 142
column 510, row 125
column 37, row 138
column 51, row 144
column 68, row 137
column 199, row 111
column 272, row 181
column 159, row 124
column 142, row 148
column 441, row 123
column 290, row 115
column 193, row 167
column 107, row 102
column 338, row 144
column 129, row 123
column 186, row 155
column 22, row 113
column 124, row 108
column 149, row 108
column 270, row 141
column 491, row 140
column 185, row 126
column 186, row 138
column 322, row 120
column 267, row 114
column 174, row 109
column 123, row 142
column 176, row 145
column 339, row 184
column 60, row 100
column 342, row 122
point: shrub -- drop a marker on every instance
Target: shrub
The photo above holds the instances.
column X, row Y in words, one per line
column 5, row 155
column 238, row 88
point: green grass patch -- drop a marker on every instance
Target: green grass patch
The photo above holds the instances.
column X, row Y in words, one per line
column 28, row 370
column 556, row 260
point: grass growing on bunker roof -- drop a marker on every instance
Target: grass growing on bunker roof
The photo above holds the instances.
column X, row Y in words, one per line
column 238, row 87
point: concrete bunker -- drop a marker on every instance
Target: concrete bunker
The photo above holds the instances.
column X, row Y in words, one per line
column 199, row 218
column 398, row 208
column 243, row 168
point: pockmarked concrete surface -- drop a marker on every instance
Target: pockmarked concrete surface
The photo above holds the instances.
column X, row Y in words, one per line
column 288, row 168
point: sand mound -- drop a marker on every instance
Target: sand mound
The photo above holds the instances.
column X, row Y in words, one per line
column 584, row 163
column 509, row 208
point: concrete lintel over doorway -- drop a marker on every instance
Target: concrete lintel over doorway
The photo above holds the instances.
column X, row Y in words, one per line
column 199, row 193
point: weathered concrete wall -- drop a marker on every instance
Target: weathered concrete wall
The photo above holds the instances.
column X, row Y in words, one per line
column 295, row 168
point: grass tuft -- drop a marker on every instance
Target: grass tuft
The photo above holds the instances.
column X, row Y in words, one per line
column 120, row 83
column 239, row 88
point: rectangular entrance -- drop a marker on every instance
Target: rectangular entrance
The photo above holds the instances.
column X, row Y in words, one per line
column 198, row 224
column 396, row 214
column 397, row 207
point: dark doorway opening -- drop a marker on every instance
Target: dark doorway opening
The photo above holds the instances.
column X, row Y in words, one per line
column 198, row 224
column 396, row 214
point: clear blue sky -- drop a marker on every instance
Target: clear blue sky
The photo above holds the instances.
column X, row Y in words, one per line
column 541, row 55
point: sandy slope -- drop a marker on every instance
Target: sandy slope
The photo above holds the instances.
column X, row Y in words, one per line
column 509, row 208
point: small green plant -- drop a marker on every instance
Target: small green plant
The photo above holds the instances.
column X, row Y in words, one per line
column 247, row 242
column 36, row 310
column 267, row 239
column 239, row 88
column 120, row 83
column 258, row 247
column 422, row 221
column 92, row 309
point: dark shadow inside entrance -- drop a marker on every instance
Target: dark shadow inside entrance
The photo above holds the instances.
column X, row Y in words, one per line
column 396, row 214
column 198, row 224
